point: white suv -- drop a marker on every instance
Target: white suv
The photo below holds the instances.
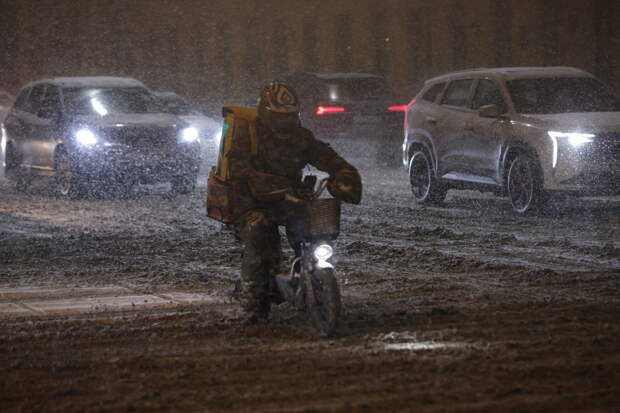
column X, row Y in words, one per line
column 525, row 132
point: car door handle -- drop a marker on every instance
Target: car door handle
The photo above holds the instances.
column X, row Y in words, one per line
column 431, row 120
column 468, row 126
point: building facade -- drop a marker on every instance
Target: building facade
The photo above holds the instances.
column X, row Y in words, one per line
column 216, row 51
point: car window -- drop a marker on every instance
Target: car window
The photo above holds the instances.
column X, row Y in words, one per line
column 21, row 103
column 178, row 106
column 488, row 93
column 304, row 88
column 355, row 88
column 457, row 93
column 104, row 101
column 51, row 102
column 35, row 99
column 431, row 94
column 562, row 95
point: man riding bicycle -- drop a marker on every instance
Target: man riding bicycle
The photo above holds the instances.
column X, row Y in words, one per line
column 271, row 181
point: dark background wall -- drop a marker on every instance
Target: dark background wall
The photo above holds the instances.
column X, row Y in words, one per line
column 223, row 50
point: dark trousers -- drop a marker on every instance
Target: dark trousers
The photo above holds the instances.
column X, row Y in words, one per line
column 262, row 256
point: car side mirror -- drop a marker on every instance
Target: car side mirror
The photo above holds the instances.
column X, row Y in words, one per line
column 489, row 111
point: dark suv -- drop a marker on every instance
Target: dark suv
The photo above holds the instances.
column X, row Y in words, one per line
column 352, row 111
column 97, row 133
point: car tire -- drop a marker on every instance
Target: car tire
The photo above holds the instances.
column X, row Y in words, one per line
column 14, row 171
column 424, row 186
column 524, row 185
column 12, row 162
column 68, row 182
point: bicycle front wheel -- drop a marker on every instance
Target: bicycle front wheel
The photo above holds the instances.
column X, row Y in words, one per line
column 323, row 301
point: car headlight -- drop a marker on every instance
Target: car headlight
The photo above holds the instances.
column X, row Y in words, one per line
column 575, row 139
column 86, row 137
column 189, row 135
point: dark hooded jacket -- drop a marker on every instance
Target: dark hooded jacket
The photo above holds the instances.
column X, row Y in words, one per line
column 263, row 180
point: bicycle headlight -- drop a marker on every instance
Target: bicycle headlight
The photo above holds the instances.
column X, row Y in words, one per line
column 323, row 252
column 189, row 135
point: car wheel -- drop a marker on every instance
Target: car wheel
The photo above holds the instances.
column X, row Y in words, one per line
column 13, row 170
column 11, row 160
column 425, row 188
column 67, row 180
column 523, row 185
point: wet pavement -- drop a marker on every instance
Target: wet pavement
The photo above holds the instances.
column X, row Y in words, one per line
column 117, row 305
column 32, row 302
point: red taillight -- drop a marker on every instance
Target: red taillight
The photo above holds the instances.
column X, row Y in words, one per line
column 322, row 110
column 411, row 103
column 398, row 108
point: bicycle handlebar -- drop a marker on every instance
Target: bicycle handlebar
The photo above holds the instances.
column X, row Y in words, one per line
column 320, row 188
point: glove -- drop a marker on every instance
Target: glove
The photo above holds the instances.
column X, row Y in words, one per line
column 346, row 186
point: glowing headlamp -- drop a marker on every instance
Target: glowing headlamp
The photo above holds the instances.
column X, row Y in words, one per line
column 86, row 137
column 575, row 139
column 323, row 252
column 189, row 135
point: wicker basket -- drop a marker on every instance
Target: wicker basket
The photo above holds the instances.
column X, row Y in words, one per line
column 317, row 219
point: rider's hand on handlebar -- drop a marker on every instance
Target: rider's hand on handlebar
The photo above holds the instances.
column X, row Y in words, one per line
column 346, row 187
column 343, row 187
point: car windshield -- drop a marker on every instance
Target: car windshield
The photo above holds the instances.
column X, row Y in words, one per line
column 178, row 106
column 561, row 95
column 357, row 88
column 104, row 101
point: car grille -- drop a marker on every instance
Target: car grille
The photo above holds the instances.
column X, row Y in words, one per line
column 143, row 138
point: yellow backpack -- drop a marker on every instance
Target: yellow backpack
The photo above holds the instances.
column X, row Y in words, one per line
column 224, row 200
